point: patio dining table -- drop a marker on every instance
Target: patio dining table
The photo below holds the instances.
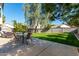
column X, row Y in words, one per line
column 21, row 36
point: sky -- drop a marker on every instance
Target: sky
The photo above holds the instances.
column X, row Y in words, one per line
column 14, row 11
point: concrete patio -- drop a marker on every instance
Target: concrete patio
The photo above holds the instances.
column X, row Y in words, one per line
column 36, row 48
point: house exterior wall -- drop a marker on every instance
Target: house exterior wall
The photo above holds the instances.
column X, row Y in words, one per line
column 1, row 13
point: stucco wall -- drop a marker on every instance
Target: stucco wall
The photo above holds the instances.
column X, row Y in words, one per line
column 1, row 13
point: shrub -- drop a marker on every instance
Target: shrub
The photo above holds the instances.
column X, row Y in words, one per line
column 19, row 27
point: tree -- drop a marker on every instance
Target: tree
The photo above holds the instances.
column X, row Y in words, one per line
column 19, row 27
column 3, row 19
column 49, row 9
column 33, row 13
column 74, row 21
column 38, row 14
column 70, row 14
column 26, row 9
column 69, row 11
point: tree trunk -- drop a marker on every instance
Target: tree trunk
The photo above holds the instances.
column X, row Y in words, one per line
column 78, row 30
column 35, row 29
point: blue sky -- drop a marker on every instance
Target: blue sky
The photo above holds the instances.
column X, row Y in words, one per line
column 14, row 11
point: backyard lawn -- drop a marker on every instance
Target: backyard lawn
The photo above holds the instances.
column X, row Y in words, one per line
column 64, row 38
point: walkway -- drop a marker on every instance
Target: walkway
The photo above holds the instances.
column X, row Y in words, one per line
column 37, row 48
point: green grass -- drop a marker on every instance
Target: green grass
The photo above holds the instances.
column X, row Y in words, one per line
column 64, row 38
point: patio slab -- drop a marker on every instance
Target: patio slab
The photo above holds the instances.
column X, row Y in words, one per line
column 57, row 49
column 4, row 40
column 38, row 48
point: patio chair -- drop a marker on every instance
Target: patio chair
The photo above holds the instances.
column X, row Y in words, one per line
column 23, row 37
column 18, row 36
column 28, row 38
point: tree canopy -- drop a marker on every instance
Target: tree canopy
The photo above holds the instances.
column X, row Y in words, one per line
column 38, row 13
column 68, row 12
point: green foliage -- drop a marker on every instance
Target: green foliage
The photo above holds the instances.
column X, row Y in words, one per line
column 19, row 27
column 49, row 10
column 70, row 13
column 3, row 19
column 64, row 38
column 34, row 16
column 40, row 13
column 49, row 7
column 46, row 28
column 74, row 22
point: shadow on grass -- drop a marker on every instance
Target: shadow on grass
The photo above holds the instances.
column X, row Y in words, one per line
column 68, row 39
